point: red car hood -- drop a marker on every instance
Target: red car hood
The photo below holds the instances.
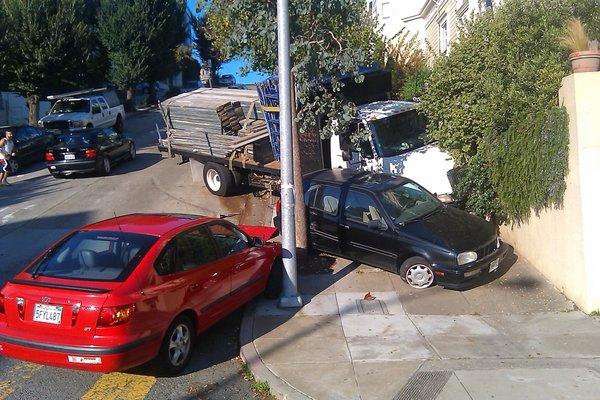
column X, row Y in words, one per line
column 263, row 232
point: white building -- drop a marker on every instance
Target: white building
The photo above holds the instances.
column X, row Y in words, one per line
column 435, row 22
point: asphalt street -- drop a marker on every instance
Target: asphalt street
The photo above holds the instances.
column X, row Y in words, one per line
column 37, row 209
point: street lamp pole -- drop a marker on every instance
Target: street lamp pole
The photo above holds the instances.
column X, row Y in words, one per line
column 289, row 296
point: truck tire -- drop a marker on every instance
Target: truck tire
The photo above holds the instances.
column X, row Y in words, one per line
column 89, row 126
column 218, row 179
column 119, row 126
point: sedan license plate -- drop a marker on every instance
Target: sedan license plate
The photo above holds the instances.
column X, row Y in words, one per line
column 69, row 156
column 47, row 313
column 494, row 265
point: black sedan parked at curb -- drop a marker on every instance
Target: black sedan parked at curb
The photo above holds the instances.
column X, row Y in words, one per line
column 88, row 151
column 393, row 223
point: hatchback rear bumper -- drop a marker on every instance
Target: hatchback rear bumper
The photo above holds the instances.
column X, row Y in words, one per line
column 87, row 358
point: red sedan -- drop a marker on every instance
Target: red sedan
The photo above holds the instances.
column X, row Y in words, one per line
column 121, row 292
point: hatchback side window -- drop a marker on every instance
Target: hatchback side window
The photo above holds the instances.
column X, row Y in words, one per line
column 328, row 199
column 309, row 196
column 33, row 133
column 193, row 249
column 360, row 207
column 229, row 239
column 165, row 264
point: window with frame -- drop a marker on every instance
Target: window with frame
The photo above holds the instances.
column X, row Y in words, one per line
column 327, row 199
column 385, row 10
column 229, row 239
column 444, row 43
column 103, row 103
column 360, row 207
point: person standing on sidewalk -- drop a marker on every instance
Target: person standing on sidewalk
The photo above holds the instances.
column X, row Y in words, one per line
column 7, row 147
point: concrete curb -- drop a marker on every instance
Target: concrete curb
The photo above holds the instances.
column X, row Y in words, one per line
column 279, row 387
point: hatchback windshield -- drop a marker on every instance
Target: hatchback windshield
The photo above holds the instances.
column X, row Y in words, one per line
column 77, row 140
column 398, row 133
column 95, row 255
column 71, row 106
column 408, row 202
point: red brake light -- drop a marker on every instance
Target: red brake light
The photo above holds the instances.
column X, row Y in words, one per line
column 2, row 304
column 49, row 156
column 112, row 316
column 90, row 153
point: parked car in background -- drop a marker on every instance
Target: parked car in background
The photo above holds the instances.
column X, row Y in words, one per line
column 98, row 108
column 121, row 292
column 226, row 80
column 30, row 145
column 393, row 223
column 88, row 150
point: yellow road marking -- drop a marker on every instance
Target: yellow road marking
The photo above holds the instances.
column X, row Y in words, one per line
column 120, row 386
column 20, row 372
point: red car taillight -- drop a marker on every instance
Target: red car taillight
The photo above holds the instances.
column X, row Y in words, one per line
column 90, row 153
column 278, row 207
column 2, row 304
column 21, row 307
column 49, row 156
column 112, row 316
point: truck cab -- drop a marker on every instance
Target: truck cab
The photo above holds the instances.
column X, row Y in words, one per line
column 395, row 142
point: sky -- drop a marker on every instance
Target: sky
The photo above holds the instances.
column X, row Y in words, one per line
column 233, row 67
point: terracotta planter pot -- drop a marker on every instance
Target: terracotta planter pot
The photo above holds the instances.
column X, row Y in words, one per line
column 585, row 61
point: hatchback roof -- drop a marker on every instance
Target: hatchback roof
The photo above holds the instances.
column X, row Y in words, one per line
column 148, row 224
column 372, row 181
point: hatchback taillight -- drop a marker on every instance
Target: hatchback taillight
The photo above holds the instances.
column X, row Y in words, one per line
column 90, row 153
column 2, row 304
column 49, row 156
column 112, row 316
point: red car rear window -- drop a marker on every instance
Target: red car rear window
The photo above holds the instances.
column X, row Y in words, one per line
column 95, row 256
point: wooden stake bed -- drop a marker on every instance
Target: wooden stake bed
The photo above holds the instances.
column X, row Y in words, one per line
column 219, row 125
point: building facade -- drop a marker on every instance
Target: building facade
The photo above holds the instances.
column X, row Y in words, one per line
column 436, row 23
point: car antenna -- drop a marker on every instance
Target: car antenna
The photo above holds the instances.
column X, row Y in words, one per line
column 117, row 220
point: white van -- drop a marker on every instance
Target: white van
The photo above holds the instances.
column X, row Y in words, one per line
column 396, row 144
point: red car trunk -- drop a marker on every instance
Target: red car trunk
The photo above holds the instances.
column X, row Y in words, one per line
column 54, row 310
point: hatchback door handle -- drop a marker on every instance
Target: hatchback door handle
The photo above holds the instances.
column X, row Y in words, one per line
column 344, row 226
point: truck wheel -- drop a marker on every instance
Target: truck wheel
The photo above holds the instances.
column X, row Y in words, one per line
column 119, row 127
column 89, row 126
column 218, row 179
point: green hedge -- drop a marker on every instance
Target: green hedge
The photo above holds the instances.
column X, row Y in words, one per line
column 492, row 103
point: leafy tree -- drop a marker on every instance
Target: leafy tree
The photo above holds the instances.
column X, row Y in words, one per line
column 141, row 38
column 205, row 46
column 407, row 62
column 47, row 45
column 493, row 104
column 329, row 39
column 3, row 51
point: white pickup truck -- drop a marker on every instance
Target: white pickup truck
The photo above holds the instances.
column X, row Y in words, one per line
column 396, row 144
column 87, row 109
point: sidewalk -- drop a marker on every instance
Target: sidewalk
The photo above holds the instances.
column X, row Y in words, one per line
column 514, row 338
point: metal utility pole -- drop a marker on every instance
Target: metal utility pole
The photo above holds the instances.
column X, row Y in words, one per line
column 289, row 296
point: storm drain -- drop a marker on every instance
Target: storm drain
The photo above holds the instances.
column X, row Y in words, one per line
column 424, row 385
column 371, row 307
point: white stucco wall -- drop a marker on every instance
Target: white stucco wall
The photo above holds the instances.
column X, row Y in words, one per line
column 562, row 243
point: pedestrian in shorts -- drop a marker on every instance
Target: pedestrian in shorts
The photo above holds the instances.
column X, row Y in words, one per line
column 7, row 147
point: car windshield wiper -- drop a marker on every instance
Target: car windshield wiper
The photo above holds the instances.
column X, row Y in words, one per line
column 422, row 217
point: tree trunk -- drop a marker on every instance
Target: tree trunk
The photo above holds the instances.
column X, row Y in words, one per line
column 152, row 93
column 33, row 103
column 130, row 99
column 300, row 210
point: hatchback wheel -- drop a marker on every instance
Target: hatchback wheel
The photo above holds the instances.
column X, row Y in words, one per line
column 176, row 349
column 416, row 271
